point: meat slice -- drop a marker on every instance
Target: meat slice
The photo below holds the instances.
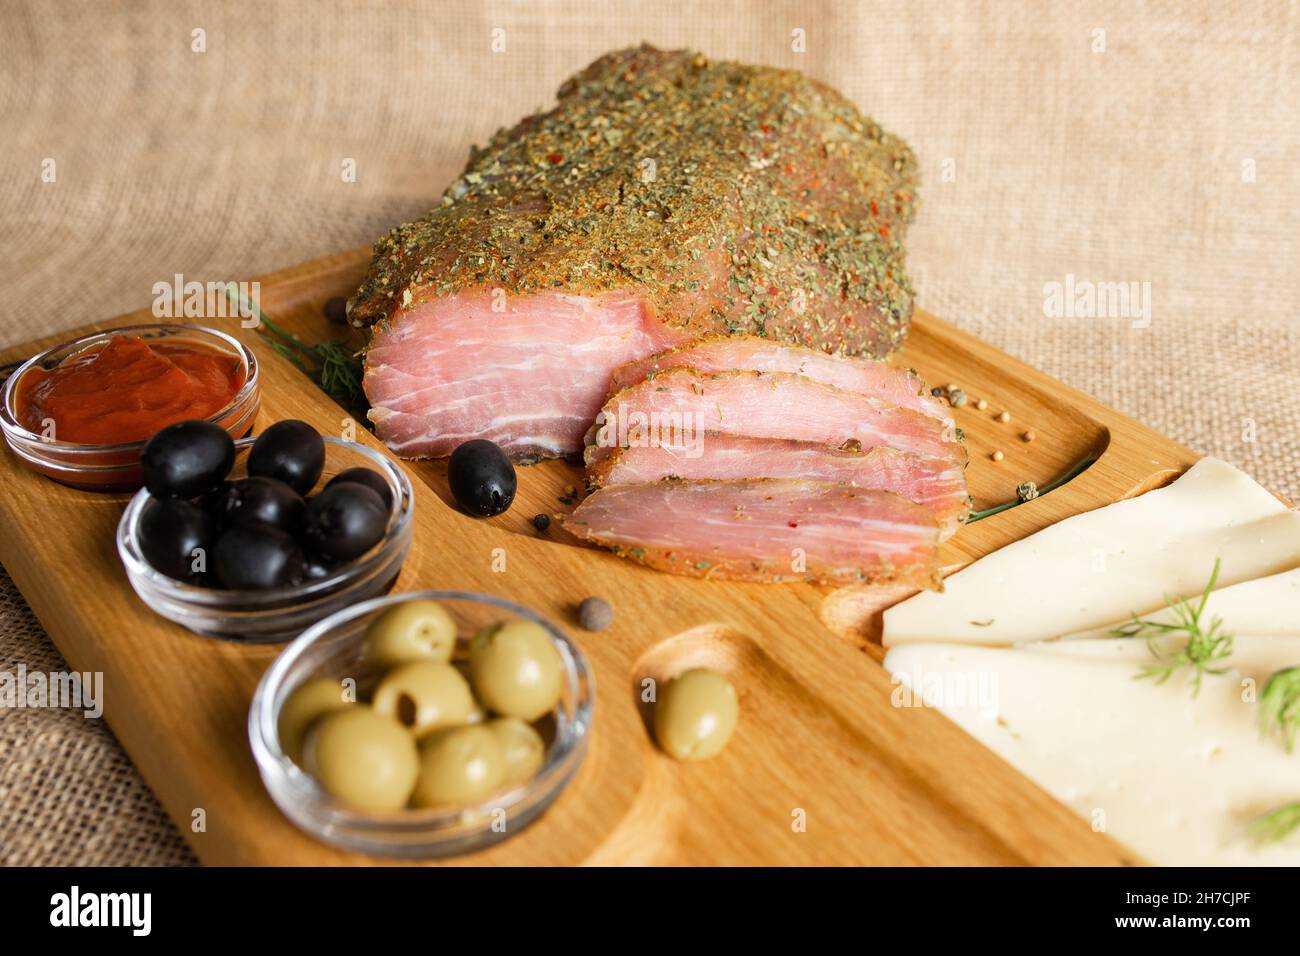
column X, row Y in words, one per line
column 764, row 529
column 937, row 484
column 530, row 378
column 708, row 197
column 680, row 406
column 720, row 354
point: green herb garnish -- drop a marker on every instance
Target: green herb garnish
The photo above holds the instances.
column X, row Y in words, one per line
column 1205, row 646
column 1073, row 473
column 1279, row 706
column 1276, row 826
column 335, row 366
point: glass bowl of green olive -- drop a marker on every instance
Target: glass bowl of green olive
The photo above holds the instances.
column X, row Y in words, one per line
column 422, row 724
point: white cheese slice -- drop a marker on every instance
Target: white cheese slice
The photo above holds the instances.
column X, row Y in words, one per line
column 1174, row 777
column 1097, row 568
column 1249, row 654
column 1264, row 607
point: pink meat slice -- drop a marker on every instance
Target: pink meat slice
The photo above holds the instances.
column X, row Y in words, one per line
column 764, row 529
column 719, row 354
column 530, row 374
column 682, row 403
column 937, row 484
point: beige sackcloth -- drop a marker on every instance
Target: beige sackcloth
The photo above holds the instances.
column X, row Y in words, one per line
column 1123, row 142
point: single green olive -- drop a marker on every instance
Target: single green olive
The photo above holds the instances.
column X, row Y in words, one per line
column 363, row 759
column 515, row 669
column 521, row 748
column 458, row 766
column 308, row 702
column 424, row 696
column 410, row 631
column 696, row 714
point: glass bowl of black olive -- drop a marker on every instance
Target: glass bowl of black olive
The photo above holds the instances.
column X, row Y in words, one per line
column 422, row 724
column 255, row 540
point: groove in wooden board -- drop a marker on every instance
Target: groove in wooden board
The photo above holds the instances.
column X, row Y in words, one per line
column 880, row 784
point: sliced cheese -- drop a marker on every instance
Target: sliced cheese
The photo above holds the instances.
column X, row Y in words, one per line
column 1249, row 654
column 1098, row 568
column 1174, row 777
column 1264, row 607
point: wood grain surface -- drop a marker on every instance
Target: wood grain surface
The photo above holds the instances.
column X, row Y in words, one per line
column 818, row 739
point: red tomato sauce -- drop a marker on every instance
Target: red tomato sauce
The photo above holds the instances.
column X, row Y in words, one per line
column 127, row 389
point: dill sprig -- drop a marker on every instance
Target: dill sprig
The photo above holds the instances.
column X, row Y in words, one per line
column 1276, row 826
column 1279, row 706
column 1205, row 646
column 335, row 366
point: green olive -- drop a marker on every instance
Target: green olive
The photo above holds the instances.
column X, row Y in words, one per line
column 308, row 701
column 410, row 631
column 515, row 669
column 424, row 696
column 696, row 715
column 363, row 759
column 458, row 766
column 521, row 748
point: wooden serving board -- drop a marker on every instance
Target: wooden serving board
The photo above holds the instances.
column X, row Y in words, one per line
column 818, row 744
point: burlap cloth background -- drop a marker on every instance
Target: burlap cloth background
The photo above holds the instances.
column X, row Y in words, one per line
column 1169, row 157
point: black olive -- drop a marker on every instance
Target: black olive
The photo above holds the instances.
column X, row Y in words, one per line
column 257, row 556
column 317, row 567
column 368, row 477
column 482, row 478
column 345, row 521
column 290, row 451
column 336, row 310
column 216, row 501
column 541, row 522
column 262, row 500
column 175, row 536
column 187, row 459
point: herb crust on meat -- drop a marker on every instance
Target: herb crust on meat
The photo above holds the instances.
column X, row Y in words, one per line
column 731, row 198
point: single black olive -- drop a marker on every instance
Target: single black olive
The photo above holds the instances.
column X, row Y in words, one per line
column 175, row 537
column 482, row 478
column 541, row 521
column 336, row 310
column 261, row 500
column 187, row 459
column 290, row 451
column 368, row 477
column 257, row 556
column 345, row 521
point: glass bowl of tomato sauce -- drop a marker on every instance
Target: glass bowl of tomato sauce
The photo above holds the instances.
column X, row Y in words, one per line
column 81, row 412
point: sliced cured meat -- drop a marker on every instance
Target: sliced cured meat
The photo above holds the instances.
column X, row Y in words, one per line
column 680, row 405
column 764, row 529
column 529, row 376
column 747, row 352
column 721, row 197
column 938, row 484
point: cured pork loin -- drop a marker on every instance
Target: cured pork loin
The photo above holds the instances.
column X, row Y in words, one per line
column 679, row 405
column 521, row 378
column 666, row 198
column 720, row 354
column 764, row 529
column 937, row 484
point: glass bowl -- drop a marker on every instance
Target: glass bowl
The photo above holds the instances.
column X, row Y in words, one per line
column 332, row 648
column 276, row 614
column 116, row 467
